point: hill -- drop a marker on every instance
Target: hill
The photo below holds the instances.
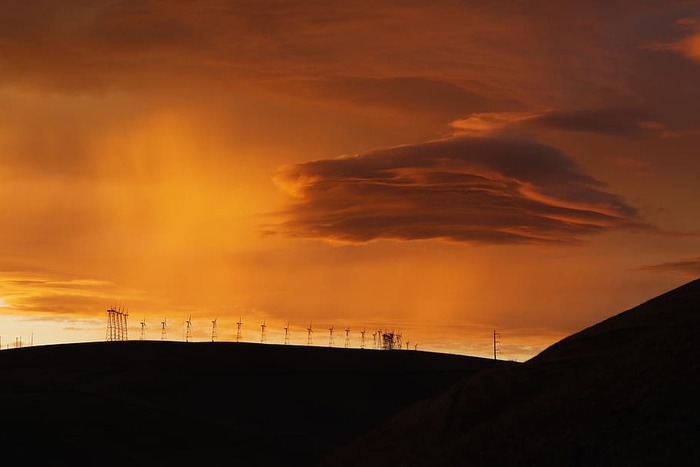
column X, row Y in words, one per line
column 158, row 403
column 622, row 392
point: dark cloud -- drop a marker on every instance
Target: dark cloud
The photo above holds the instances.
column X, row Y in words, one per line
column 407, row 95
column 472, row 189
column 687, row 267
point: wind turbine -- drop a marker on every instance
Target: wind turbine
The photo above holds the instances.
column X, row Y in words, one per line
column 213, row 330
column 309, row 335
column 286, row 334
column 347, row 336
column 163, row 327
column 362, row 340
column 330, row 336
column 238, row 329
column 263, row 338
column 143, row 328
column 188, row 333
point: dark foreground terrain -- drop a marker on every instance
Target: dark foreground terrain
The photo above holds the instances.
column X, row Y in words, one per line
column 170, row 403
column 621, row 393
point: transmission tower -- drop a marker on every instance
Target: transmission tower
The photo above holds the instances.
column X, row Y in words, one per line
column 309, row 335
column 496, row 343
column 213, row 330
column 111, row 325
column 143, row 328
column 188, row 329
column 163, row 329
column 362, row 338
column 347, row 337
column 117, row 327
column 263, row 337
column 330, row 336
column 239, row 336
column 286, row 334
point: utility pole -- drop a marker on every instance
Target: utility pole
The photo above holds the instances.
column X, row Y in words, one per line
column 496, row 343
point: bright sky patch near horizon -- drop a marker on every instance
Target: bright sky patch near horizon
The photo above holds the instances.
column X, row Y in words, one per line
column 441, row 170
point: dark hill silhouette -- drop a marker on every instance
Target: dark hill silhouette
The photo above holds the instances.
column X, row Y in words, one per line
column 160, row 403
column 623, row 392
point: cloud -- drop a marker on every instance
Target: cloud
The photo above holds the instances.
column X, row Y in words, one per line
column 624, row 122
column 482, row 190
column 687, row 267
column 409, row 95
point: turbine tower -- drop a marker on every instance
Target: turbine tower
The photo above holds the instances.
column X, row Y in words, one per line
column 239, row 336
column 362, row 339
column 286, row 334
column 263, row 327
column 163, row 327
column 188, row 331
column 125, row 335
column 309, row 335
column 330, row 336
column 213, row 330
column 143, row 328
column 347, row 337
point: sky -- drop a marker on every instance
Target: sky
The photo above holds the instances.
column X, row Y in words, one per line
column 438, row 169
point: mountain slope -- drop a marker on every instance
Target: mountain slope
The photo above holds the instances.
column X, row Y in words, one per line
column 157, row 403
column 622, row 392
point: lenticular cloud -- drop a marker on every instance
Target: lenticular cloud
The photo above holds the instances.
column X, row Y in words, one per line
column 483, row 190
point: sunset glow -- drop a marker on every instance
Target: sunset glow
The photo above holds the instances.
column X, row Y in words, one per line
column 441, row 170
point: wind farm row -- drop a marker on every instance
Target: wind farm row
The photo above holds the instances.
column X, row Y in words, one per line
column 381, row 339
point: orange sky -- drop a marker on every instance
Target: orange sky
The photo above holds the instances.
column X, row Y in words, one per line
column 438, row 169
